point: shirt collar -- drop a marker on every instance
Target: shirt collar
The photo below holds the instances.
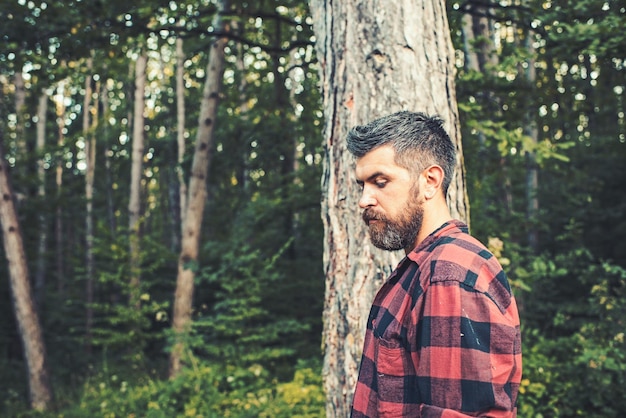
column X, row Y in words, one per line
column 447, row 228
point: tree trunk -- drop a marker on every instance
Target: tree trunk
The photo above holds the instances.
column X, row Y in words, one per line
column 31, row 335
column 20, row 112
column 107, row 154
column 89, row 178
column 532, row 169
column 183, row 299
column 286, row 143
column 58, row 230
column 375, row 58
column 483, row 36
column 40, row 274
column 242, row 173
column 469, row 39
column 481, row 56
column 180, row 134
column 134, row 202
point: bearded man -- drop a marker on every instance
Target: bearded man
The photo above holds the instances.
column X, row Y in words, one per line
column 443, row 335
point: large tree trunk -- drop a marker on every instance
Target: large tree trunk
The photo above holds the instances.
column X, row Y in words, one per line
column 30, row 332
column 183, row 299
column 375, row 58
column 134, row 202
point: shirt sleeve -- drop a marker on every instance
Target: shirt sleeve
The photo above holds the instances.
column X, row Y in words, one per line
column 468, row 357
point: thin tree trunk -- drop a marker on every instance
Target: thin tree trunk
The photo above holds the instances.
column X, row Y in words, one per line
column 483, row 33
column 244, row 107
column 532, row 169
column 20, row 112
column 104, row 99
column 480, row 56
column 58, row 230
column 31, row 335
column 180, row 134
column 469, row 39
column 286, row 143
column 375, row 58
column 295, row 225
column 89, row 178
column 183, row 299
column 40, row 274
column 134, row 203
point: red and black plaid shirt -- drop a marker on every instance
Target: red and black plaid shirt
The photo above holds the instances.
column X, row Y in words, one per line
column 443, row 336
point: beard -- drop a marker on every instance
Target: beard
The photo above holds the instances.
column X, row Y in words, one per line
column 400, row 233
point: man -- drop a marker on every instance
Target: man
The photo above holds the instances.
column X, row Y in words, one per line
column 443, row 337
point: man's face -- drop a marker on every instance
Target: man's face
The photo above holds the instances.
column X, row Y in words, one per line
column 393, row 206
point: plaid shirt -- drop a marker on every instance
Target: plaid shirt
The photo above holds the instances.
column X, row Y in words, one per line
column 443, row 336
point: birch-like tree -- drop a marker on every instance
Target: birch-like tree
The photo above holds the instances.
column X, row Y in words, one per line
column 375, row 58
column 180, row 130
column 58, row 215
column 136, row 173
column 40, row 273
column 90, row 162
column 29, row 326
column 183, row 298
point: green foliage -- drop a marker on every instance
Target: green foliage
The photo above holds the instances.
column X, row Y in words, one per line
column 574, row 348
column 206, row 390
column 255, row 314
column 301, row 397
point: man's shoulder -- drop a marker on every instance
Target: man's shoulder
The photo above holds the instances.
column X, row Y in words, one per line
column 459, row 245
column 461, row 258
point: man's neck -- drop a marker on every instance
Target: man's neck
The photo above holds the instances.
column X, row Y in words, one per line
column 435, row 215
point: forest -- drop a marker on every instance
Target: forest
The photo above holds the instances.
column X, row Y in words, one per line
column 164, row 173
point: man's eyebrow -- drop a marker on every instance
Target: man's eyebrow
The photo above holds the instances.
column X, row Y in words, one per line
column 371, row 177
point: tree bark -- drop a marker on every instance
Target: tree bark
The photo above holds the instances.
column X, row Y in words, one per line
column 375, row 58
column 134, row 202
column 183, row 299
column 31, row 335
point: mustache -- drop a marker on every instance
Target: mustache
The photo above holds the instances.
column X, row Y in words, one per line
column 370, row 214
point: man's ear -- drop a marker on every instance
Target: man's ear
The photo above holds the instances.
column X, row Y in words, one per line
column 433, row 179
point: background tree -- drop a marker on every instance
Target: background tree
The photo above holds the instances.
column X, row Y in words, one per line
column 30, row 332
column 40, row 273
column 183, row 300
column 136, row 177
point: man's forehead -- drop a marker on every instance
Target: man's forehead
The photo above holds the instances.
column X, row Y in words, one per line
column 383, row 154
column 379, row 161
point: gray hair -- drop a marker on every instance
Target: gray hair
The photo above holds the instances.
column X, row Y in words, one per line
column 419, row 141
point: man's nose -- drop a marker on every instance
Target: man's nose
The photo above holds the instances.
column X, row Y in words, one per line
column 367, row 199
